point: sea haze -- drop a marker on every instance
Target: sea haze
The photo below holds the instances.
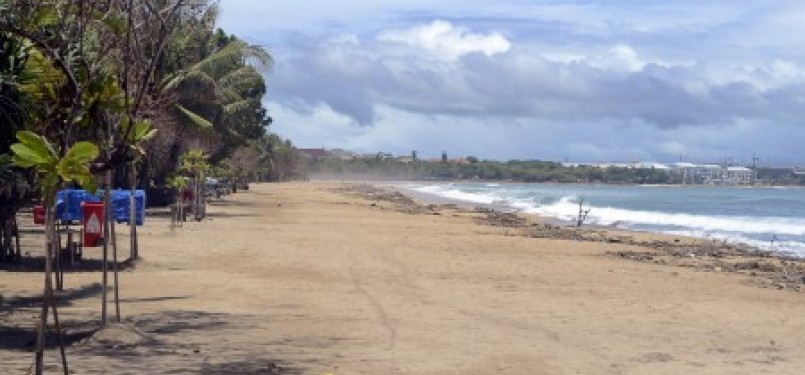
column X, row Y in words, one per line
column 767, row 218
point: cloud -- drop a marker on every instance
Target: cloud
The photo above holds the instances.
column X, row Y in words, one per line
column 443, row 39
column 354, row 76
column 614, row 80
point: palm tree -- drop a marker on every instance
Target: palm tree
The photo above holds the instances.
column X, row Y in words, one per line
column 214, row 91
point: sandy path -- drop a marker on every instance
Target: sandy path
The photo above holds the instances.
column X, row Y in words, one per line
column 320, row 282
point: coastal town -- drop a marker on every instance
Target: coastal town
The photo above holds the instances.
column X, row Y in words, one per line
column 685, row 173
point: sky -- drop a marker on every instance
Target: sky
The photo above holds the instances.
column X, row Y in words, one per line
column 582, row 81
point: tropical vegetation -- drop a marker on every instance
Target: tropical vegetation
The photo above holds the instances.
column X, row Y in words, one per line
column 474, row 169
column 112, row 94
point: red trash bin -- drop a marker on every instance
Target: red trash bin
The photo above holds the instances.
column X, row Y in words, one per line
column 92, row 224
column 39, row 214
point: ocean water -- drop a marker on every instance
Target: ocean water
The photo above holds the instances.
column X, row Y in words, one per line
column 767, row 218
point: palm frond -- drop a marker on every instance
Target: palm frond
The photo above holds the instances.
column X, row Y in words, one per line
column 194, row 81
column 222, row 61
column 238, row 75
column 240, row 106
column 228, row 95
column 200, row 123
column 235, row 54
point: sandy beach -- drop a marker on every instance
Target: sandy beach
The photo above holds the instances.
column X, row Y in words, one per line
column 315, row 278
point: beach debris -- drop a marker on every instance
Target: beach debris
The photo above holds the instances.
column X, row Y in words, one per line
column 500, row 219
column 767, row 269
column 582, row 213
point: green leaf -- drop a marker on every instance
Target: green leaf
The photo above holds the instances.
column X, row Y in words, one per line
column 27, row 137
column 142, row 131
column 150, row 134
column 37, row 144
column 88, row 182
column 27, row 157
column 68, row 169
column 82, row 152
column 20, row 162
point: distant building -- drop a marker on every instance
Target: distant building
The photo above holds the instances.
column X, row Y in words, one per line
column 650, row 165
column 709, row 174
column 342, row 154
column 630, row 165
column 702, row 174
column 313, row 153
column 738, row 175
column 712, row 174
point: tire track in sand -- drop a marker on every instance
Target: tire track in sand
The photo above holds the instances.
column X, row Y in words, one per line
column 379, row 310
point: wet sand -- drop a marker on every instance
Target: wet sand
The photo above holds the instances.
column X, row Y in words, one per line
column 313, row 278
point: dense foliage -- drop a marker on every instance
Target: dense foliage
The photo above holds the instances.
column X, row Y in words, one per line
column 144, row 80
column 93, row 93
column 513, row 170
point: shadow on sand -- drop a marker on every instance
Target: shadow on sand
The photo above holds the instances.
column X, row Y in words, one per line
column 18, row 318
column 37, row 264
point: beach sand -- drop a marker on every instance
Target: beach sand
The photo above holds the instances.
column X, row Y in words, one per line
column 313, row 278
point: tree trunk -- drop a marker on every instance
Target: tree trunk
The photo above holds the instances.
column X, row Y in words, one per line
column 46, row 294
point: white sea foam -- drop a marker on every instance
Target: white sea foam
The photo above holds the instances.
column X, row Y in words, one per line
column 446, row 192
column 755, row 231
column 568, row 208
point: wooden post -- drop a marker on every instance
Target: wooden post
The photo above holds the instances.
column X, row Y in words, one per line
column 70, row 249
column 104, row 263
column 59, row 336
column 115, row 271
column 18, row 255
column 194, row 205
column 5, row 246
column 135, row 253
column 181, row 212
column 57, row 258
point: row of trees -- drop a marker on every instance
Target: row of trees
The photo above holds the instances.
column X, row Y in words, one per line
column 514, row 170
column 146, row 81
column 114, row 93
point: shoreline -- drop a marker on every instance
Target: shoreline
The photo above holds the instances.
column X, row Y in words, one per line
column 771, row 269
column 749, row 243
